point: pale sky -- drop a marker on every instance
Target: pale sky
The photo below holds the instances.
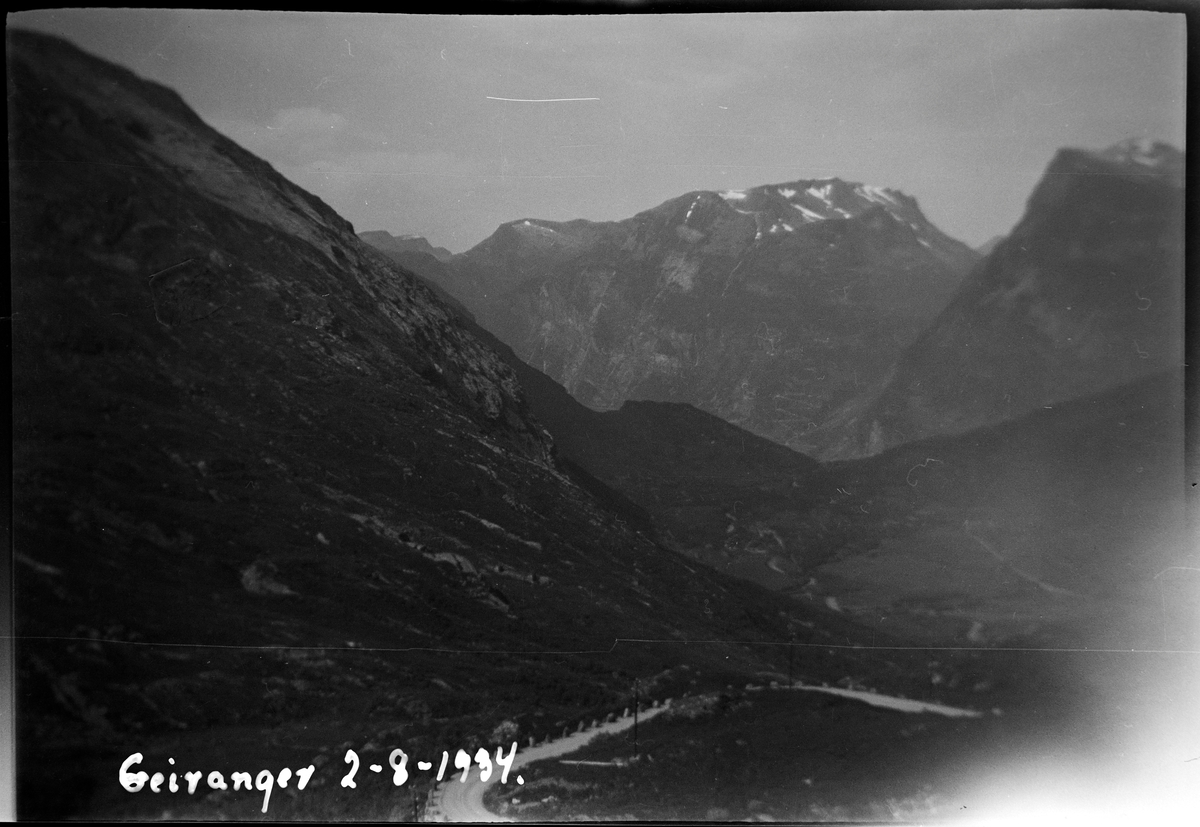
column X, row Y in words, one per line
column 391, row 120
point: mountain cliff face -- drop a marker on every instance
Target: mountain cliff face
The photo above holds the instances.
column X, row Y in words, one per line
column 270, row 493
column 768, row 307
column 1083, row 296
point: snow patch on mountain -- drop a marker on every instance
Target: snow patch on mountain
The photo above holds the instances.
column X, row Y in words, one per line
column 809, row 215
column 1146, row 153
column 527, row 224
column 1142, row 154
column 877, row 194
column 821, row 199
column 821, row 193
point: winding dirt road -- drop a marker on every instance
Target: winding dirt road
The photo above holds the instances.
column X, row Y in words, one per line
column 892, row 702
column 457, row 800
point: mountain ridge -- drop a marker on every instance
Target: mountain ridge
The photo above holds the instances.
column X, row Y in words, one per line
column 404, row 243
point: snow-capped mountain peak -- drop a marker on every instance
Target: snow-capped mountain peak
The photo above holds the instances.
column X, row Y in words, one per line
column 798, row 203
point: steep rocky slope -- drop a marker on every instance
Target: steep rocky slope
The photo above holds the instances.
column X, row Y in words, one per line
column 1083, row 296
column 271, row 497
column 768, row 307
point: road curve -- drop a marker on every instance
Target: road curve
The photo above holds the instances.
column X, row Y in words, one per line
column 457, row 800
column 890, row 701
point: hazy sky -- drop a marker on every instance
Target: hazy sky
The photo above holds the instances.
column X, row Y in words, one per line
column 390, row 118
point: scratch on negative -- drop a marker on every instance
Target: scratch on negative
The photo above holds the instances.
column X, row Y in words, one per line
column 1175, row 568
column 540, row 100
column 169, row 269
column 730, row 277
column 908, row 477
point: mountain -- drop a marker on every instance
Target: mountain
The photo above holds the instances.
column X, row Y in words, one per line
column 986, row 247
column 1085, row 295
column 403, row 244
column 769, row 307
column 272, row 499
column 413, row 253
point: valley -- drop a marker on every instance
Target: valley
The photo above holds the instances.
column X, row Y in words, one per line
column 866, row 524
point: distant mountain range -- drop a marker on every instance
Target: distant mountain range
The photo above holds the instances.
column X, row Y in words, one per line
column 404, row 244
column 832, row 317
column 769, row 307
